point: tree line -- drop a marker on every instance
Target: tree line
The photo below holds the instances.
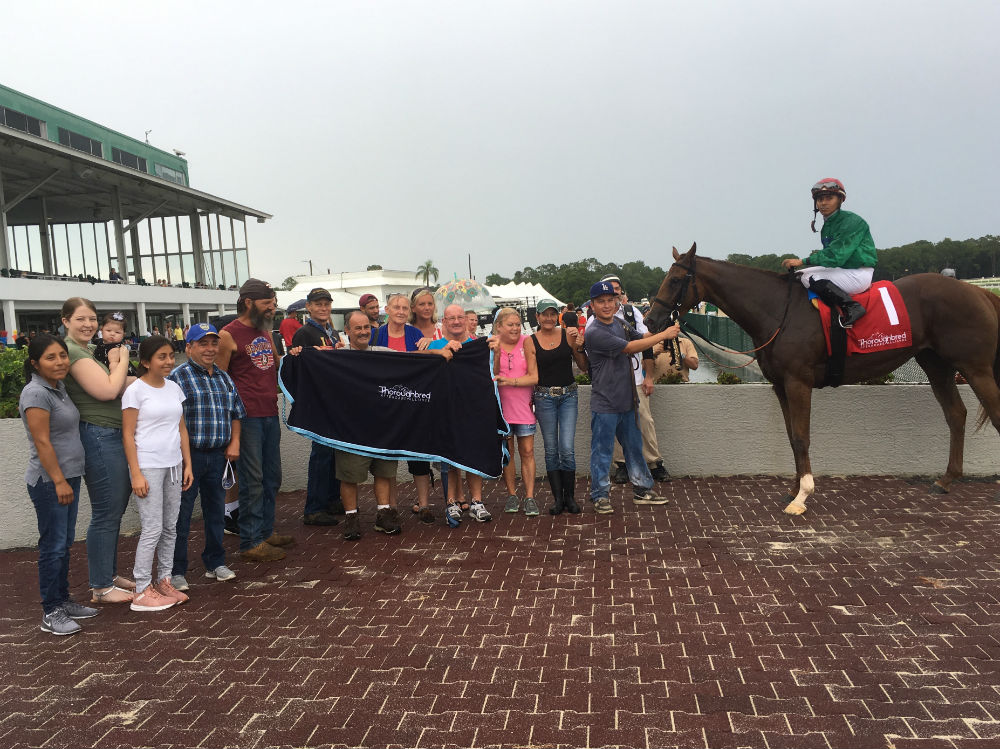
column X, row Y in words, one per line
column 969, row 258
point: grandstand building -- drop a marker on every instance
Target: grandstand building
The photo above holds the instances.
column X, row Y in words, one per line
column 87, row 211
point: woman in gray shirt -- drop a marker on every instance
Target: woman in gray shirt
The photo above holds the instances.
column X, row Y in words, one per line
column 55, row 465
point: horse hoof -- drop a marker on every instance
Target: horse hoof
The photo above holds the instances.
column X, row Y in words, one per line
column 795, row 508
column 936, row 488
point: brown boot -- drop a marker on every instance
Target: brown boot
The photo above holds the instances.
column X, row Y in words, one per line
column 277, row 539
column 263, row 552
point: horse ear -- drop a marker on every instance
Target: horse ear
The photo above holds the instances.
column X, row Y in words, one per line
column 677, row 255
column 694, row 248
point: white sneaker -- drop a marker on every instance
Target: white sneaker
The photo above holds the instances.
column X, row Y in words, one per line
column 479, row 513
column 222, row 572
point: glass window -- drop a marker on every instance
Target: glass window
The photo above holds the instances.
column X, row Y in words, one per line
column 80, row 142
column 165, row 172
column 20, row 121
column 128, row 159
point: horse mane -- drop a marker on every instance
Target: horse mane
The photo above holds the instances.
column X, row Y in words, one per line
column 761, row 271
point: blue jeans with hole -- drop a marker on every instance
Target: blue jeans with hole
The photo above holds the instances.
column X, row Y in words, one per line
column 604, row 428
column 109, row 487
column 322, row 485
column 56, row 529
column 259, row 472
column 556, row 416
column 207, row 467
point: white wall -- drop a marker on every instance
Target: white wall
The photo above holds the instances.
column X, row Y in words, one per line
column 703, row 430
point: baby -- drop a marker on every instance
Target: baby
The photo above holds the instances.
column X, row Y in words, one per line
column 112, row 334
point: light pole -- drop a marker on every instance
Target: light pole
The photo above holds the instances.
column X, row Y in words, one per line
column 310, row 266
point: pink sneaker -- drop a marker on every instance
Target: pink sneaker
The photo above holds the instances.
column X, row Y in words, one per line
column 151, row 600
column 167, row 590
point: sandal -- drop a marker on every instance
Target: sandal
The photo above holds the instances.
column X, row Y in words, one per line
column 113, row 594
column 123, row 582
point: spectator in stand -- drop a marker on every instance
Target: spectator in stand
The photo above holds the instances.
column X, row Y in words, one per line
column 212, row 412
column 96, row 391
column 55, row 465
column 556, row 403
column 423, row 315
column 516, row 374
column 610, row 345
column 456, row 332
column 323, row 502
column 246, row 351
column 159, row 460
column 289, row 327
column 113, row 277
column 352, row 469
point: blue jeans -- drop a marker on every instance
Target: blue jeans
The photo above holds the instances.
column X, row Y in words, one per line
column 207, row 467
column 603, row 430
column 109, row 486
column 56, row 529
column 556, row 416
column 322, row 485
column 259, row 472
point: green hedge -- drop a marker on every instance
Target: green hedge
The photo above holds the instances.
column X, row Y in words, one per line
column 11, row 380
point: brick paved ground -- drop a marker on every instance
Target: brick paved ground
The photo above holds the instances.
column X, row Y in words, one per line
column 715, row 622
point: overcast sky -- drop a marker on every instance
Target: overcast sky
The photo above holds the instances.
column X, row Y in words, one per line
column 541, row 132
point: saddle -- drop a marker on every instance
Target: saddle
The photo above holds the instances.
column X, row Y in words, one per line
column 886, row 325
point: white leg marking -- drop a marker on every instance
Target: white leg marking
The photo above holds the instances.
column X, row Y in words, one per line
column 806, row 487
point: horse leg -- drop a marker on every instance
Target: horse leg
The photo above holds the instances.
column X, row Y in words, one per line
column 779, row 391
column 942, row 378
column 984, row 385
column 799, row 397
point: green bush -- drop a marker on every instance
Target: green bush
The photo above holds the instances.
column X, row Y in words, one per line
column 670, row 378
column 11, row 380
column 582, row 379
column 728, row 378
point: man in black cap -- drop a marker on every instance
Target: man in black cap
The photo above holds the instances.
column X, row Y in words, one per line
column 246, row 352
column 322, row 487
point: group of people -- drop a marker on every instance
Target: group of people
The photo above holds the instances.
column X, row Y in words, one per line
column 168, row 434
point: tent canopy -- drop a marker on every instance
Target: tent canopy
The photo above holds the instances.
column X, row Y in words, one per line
column 531, row 292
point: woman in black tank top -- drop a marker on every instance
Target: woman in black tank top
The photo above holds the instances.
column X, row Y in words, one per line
column 555, row 400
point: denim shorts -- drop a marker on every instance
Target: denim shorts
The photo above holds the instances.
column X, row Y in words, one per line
column 522, row 430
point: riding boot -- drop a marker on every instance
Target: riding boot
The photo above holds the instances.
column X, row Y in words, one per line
column 555, row 481
column 569, row 490
column 834, row 296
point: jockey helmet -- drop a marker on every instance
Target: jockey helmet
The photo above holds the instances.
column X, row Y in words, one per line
column 829, row 185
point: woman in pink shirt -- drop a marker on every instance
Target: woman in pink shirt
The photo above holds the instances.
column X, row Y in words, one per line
column 516, row 374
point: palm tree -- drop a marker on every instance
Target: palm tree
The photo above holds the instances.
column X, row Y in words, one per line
column 425, row 271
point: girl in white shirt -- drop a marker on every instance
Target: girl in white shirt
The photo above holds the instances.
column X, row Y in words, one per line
column 159, row 460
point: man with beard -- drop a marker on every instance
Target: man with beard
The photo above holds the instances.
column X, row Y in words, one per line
column 246, row 351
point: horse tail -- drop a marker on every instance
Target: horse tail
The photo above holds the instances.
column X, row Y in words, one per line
column 983, row 416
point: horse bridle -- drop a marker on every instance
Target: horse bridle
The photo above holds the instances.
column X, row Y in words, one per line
column 674, row 310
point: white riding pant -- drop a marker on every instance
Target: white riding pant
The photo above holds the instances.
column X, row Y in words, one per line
column 851, row 280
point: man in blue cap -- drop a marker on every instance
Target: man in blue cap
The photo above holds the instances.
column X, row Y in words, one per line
column 212, row 413
column 609, row 345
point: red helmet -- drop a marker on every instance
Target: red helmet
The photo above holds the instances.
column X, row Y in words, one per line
column 829, row 185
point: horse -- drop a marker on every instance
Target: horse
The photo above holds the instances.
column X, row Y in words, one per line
column 955, row 328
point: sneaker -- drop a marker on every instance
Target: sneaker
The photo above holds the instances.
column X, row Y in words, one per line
column 352, row 528
column 179, row 582
column 387, row 521
column 620, row 476
column 513, row 504
column 222, row 572
column 152, row 600
column 479, row 513
column 166, row 588
column 231, row 526
column 659, row 473
column 113, row 594
column 263, row 552
column 453, row 514
column 79, row 611
column 59, row 623
column 603, row 506
column 530, row 508
column 319, row 518
column 426, row 515
column 336, row 507
column 276, row 539
column 647, row 497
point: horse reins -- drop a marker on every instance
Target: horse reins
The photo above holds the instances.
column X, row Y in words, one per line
column 674, row 315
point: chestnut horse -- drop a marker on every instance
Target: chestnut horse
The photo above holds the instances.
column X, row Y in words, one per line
column 955, row 329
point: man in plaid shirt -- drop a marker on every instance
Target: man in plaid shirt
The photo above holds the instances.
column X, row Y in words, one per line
column 212, row 412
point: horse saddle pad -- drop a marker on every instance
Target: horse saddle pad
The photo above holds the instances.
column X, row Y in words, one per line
column 886, row 324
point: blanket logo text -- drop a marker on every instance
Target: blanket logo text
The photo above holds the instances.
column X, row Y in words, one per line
column 403, row 393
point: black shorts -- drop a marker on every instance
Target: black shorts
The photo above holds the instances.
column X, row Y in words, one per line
column 418, row 467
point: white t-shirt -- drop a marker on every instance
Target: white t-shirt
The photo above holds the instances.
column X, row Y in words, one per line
column 157, row 430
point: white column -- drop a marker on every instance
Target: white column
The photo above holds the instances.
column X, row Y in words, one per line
column 222, row 310
column 9, row 318
column 186, row 314
column 141, row 321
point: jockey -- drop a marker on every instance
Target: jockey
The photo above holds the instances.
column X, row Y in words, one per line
column 847, row 261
